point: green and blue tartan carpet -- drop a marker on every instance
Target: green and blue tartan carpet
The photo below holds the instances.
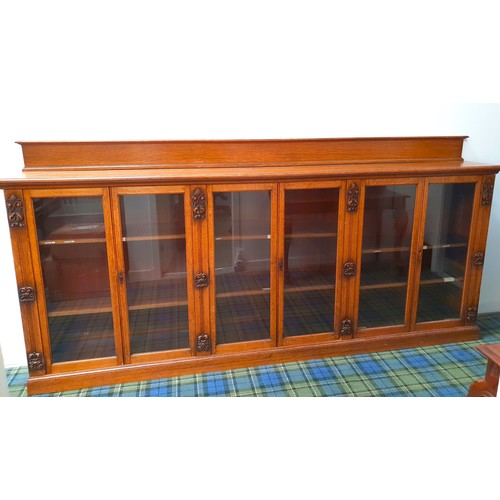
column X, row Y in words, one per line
column 445, row 370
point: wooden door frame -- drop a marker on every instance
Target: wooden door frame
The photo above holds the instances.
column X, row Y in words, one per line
column 25, row 279
column 155, row 356
column 477, row 245
column 337, row 306
column 418, row 182
column 210, row 242
column 454, row 179
column 86, row 364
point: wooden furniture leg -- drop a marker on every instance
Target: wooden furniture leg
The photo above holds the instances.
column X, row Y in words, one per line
column 489, row 386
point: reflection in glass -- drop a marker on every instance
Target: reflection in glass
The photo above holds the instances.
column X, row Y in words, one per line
column 242, row 226
column 385, row 257
column 311, row 221
column 447, row 227
column 155, row 271
column 74, row 262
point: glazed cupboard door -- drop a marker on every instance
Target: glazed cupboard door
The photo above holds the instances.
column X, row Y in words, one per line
column 242, row 249
column 71, row 240
column 386, row 255
column 310, row 233
column 451, row 250
column 154, row 251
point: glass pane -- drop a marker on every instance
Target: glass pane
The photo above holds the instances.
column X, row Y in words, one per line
column 385, row 255
column 447, row 226
column 154, row 247
column 311, row 221
column 74, row 261
column 242, row 222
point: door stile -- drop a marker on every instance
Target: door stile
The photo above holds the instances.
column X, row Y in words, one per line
column 275, row 263
column 417, row 242
column 340, row 298
column 112, row 248
column 468, row 309
column 119, row 277
column 19, row 224
column 357, row 247
column 477, row 247
column 354, row 200
column 280, row 281
column 199, row 222
column 39, row 283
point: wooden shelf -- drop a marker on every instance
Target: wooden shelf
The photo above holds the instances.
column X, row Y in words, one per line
column 62, row 213
column 79, row 307
column 445, row 245
column 157, row 305
column 245, row 237
column 155, row 238
column 404, row 283
column 385, row 250
column 99, row 306
column 153, row 295
column 248, row 283
column 225, row 295
column 308, row 288
column 446, row 279
column 309, row 281
column 407, row 248
column 311, row 235
column 242, row 284
column 78, row 241
column 268, row 236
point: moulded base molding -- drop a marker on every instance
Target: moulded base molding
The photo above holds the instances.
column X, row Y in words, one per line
column 218, row 362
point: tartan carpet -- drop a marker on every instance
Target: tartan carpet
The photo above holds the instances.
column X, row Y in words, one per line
column 444, row 370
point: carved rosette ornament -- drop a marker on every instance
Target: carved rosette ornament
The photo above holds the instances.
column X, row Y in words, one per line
column 478, row 259
column 201, row 280
column 487, row 191
column 199, row 204
column 35, row 361
column 203, row 343
column 349, row 269
column 26, row 294
column 353, row 198
column 15, row 211
column 346, row 327
column 471, row 314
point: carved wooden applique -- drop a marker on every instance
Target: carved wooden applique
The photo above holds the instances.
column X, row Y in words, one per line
column 353, row 198
column 203, row 343
column 15, row 211
column 346, row 327
column 487, row 191
column 198, row 202
column 471, row 314
column 201, row 280
column 35, row 361
column 478, row 259
column 26, row 294
column 349, row 269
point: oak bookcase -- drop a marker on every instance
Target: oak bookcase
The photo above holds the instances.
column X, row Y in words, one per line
column 141, row 260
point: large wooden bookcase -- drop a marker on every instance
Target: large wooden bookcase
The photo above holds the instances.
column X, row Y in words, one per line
column 140, row 260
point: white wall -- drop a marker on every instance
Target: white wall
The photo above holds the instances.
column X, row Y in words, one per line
column 208, row 70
